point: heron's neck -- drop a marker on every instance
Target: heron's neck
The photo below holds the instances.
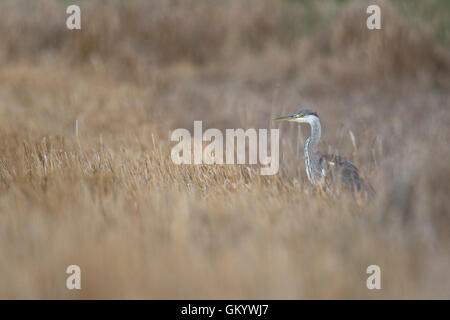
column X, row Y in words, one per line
column 316, row 132
column 311, row 157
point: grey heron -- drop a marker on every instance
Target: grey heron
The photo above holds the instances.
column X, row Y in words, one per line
column 321, row 167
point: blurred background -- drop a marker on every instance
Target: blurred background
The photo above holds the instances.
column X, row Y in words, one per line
column 110, row 200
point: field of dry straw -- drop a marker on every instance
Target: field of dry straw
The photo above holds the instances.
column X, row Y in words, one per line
column 111, row 201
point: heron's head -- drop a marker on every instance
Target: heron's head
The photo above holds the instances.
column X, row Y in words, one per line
column 302, row 116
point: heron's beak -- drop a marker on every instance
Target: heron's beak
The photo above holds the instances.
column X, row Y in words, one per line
column 285, row 118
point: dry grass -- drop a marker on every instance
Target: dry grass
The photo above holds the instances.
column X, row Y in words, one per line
column 111, row 200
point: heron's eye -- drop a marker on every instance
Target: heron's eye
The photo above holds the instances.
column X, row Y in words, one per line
column 299, row 115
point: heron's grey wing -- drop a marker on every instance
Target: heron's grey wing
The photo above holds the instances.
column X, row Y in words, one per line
column 342, row 168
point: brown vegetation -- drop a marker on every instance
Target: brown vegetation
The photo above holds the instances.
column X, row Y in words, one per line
column 112, row 201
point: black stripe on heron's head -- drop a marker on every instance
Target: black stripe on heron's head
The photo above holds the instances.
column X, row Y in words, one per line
column 308, row 112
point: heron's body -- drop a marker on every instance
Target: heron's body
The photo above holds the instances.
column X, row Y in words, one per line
column 322, row 168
